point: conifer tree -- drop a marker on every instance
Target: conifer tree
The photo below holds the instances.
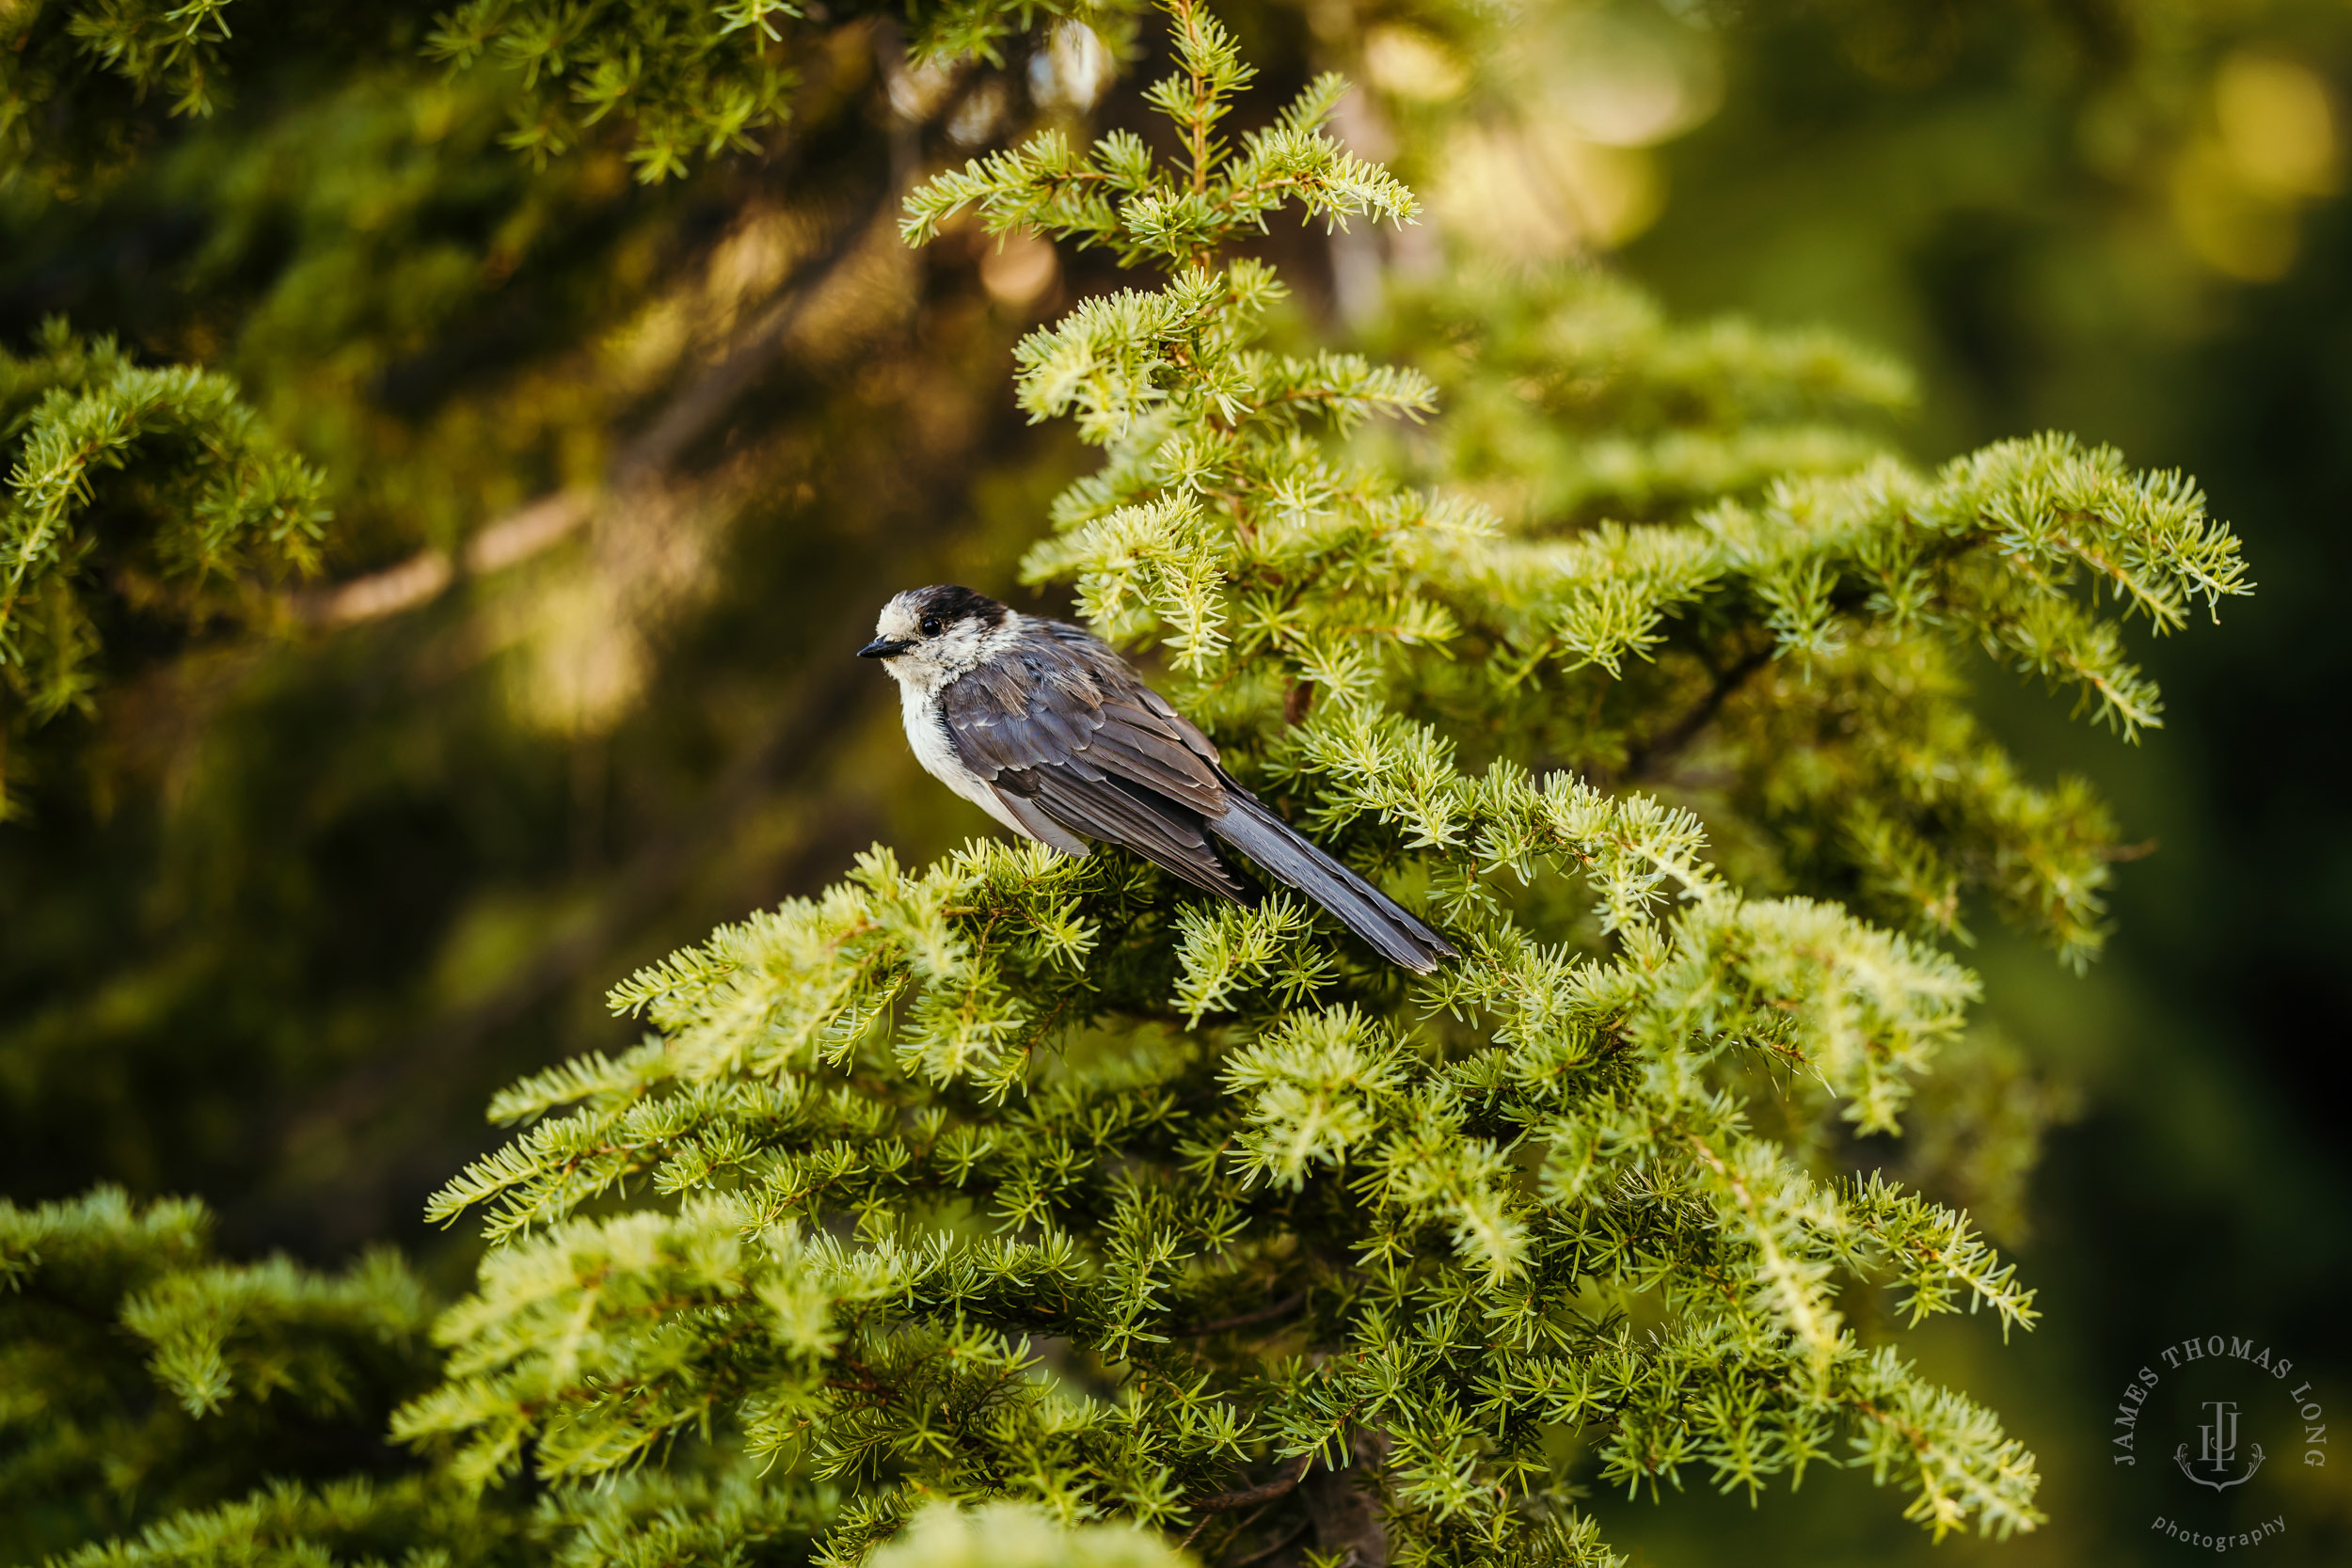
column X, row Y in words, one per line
column 1015, row 1209
column 1018, row 1176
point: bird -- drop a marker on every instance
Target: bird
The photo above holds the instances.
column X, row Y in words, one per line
column 1043, row 726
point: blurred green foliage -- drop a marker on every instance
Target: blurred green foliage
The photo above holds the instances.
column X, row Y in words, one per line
column 619, row 468
column 2125, row 221
column 143, row 1374
column 211, row 501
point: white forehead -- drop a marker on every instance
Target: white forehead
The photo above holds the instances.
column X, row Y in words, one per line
column 898, row 618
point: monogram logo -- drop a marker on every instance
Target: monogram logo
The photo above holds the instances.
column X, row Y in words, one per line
column 2235, row 1394
column 2217, row 1450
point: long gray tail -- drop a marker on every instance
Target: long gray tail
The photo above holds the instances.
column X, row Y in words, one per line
column 1278, row 850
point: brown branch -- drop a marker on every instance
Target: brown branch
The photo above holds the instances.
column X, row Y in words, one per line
column 1670, row 741
column 658, row 872
column 657, row 447
column 1281, row 1486
column 704, row 401
column 1267, row 1314
column 423, row 576
column 639, row 466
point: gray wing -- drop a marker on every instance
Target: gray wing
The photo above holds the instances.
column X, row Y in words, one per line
column 1069, row 738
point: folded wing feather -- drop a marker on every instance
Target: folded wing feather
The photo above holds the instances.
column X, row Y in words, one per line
column 1077, row 747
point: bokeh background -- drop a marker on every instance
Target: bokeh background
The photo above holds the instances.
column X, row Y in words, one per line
column 621, row 472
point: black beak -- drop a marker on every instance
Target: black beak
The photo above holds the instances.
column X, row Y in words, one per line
column 883, row 647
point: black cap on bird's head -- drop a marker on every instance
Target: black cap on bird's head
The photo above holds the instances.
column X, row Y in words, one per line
column 919, row 614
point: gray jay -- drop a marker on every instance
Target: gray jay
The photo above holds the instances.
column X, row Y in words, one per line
column 1045, row 727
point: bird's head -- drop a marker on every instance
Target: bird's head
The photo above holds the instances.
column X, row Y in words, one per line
column 927, row 637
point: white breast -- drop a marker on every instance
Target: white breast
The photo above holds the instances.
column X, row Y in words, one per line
column 928, row 737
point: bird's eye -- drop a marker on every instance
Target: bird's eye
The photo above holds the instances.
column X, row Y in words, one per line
column 930, row 625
